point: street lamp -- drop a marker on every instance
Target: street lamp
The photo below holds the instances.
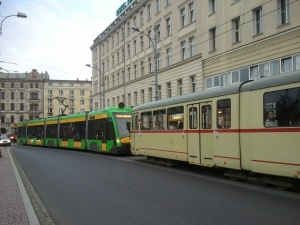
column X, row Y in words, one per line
column 155, row 58
column 101, row 82
column 22, row 15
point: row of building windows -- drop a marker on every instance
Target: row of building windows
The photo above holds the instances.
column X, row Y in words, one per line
column 257, row 20
column 13, row 95
column 270, row 68
column 187, row 48
column 148, row 95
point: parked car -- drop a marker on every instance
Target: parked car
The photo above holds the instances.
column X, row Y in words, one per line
column 12, row 137
column 4, row 140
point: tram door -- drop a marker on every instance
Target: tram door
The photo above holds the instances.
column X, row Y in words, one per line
column 199, row 134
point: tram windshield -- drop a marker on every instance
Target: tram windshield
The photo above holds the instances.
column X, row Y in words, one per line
column 123, row 124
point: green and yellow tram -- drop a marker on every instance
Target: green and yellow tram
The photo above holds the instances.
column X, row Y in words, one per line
column 105, row 131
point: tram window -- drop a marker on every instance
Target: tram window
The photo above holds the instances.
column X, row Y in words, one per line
column 224, row 113
column 285, row 105
column 135, row 122
column 146, row 120
column 51, row 131
column 175, row 117
column 159, row 119
column 206, row 117
column 193, row 115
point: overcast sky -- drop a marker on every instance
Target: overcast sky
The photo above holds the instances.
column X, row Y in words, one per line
column 55, row 37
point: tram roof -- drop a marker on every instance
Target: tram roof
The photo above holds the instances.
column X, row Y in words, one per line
column 250, row 85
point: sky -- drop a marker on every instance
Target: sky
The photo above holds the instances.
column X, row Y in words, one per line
column 55, row 37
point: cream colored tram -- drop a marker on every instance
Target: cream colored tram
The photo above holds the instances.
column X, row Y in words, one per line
column 225, row 127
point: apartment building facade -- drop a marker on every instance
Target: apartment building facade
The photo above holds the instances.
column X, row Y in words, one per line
column 26, row 96
column 199, row 45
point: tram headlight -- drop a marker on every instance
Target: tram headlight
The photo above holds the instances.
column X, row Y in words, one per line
column 118, row 140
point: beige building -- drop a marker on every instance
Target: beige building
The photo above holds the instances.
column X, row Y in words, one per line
column 199, row 45
column 27, row 96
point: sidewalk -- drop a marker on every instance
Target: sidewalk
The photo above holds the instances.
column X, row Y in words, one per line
column 15, row 205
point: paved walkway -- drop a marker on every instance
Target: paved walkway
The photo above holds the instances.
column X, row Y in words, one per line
column 15, row 205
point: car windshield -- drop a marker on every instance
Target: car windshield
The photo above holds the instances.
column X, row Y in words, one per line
column 122, row 121
column 3, row 136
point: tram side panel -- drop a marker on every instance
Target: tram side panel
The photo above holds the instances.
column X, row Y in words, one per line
column 272, row 150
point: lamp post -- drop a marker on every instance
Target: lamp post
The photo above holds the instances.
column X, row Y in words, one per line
column 22, row 15
column 155, row 59
column 101, row 81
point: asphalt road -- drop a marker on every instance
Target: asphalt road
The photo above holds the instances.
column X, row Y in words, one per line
column 87, row 188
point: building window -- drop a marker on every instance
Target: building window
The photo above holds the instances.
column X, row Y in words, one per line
column 112, row 41
column 21, row 106
column 157, row 6
column 34, row 95
column 286, row 64
column 135, row 98
column 225, row 79
column 180, row 88
column 149, row 12
column 134, row 47
column 135, row 71
column 12, row 95
column 192, row 46
column 142, row 68
column 274, row 67
column 192, row 12
column 21, row 95
column 216, row 81
column 169, row 57
column 134, row 22
column 142, row 96
column 142, row 17
column 236, row 29
column 284, row 11
column 118, row 57
column 258, row 26
column 168, row 2
column 182, row 17
column 169, row 90
column 128, row 73
column 142, row 43
column 235, row 77
column 150, row 64
column 296, row 62
column 12, row 106
column 183, row 50
column 128, row 51
column 168, row 26
column 113, row 61
column 158, row 32
column 128, row 28
column 122, row 33
column 253, row 72
column 150, row 93
column 212, row 39
column 212, row 6
column 21, row 85
column 12, row 85
column 123, row 55
column 60, row 92
column 193, row 84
